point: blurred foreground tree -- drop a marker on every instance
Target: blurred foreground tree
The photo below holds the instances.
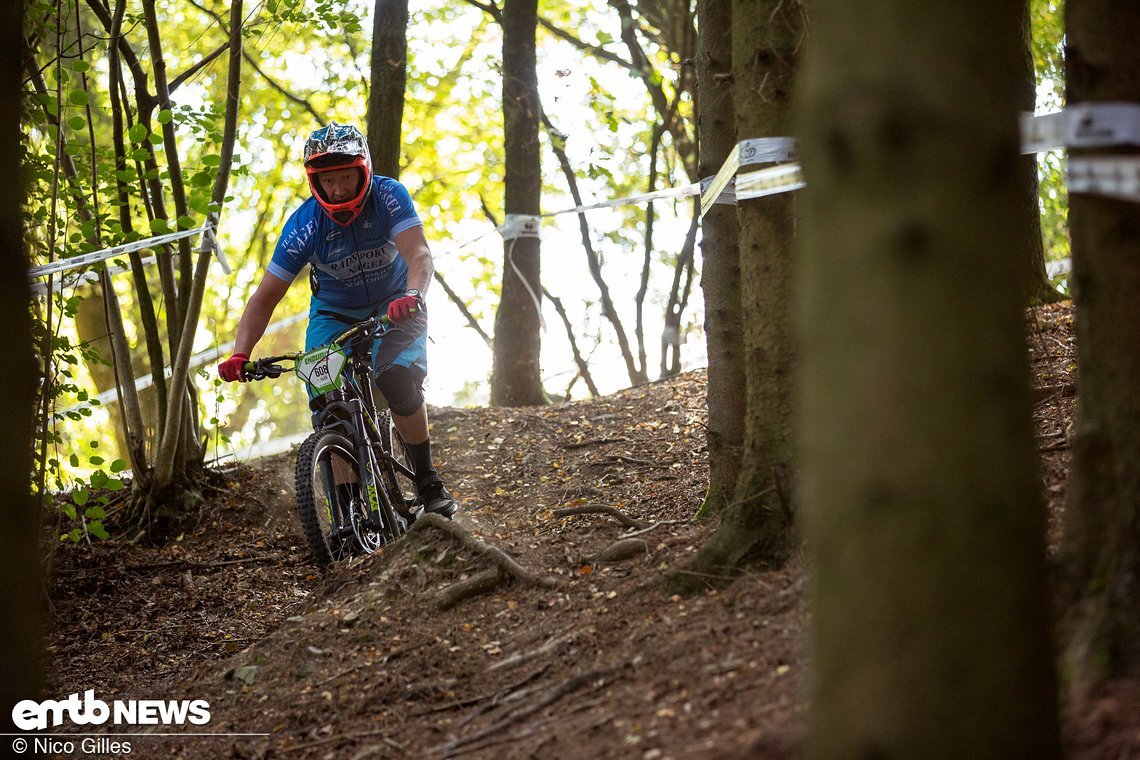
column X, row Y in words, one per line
column 930, row 632
column 19, row 525
column 1102, row 528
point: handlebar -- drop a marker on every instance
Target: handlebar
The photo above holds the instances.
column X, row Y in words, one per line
column 268, row 367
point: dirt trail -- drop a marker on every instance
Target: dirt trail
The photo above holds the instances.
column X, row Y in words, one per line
column 363, row 662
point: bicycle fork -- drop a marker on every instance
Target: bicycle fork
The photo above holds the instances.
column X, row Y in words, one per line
column 380, row 512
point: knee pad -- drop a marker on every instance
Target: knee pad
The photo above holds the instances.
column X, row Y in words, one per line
column 401, row 389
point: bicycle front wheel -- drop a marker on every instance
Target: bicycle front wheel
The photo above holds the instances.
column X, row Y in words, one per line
column 400, row 485
column 330, row 501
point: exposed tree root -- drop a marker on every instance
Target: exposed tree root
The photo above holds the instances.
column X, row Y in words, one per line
column 594, row 442
column 493, row 553
column 588, row 509
column 619, row 551
column 477, row 585
column 541, row 703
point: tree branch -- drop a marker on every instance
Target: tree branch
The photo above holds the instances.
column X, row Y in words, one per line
column 557, row 140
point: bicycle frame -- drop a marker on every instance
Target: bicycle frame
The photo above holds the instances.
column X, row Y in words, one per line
column 351, row 410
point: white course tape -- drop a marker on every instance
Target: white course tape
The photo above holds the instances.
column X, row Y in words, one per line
column 764, row 150
column 727, row 194
column 1082, row 125
column 1061, row 266
column 669, row 192
column 521, row 226
column 758, row 150
column 78, row 278
column 197, row 360
column 95, row 257
column 1112, row 176
column 770, row 181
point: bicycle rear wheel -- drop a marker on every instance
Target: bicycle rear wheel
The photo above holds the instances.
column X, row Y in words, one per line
column 332, row 515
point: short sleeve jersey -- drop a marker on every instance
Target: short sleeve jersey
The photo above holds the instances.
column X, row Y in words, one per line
column 354, row 267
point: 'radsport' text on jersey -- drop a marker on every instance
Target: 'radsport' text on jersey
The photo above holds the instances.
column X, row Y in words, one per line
column 356, row 266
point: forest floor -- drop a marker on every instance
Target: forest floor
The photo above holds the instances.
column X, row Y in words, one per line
column 365, row 661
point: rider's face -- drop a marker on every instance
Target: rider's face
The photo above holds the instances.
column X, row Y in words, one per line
column 340, row 185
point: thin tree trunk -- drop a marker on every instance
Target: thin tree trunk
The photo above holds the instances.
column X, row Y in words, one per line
column 647, row 255
column 176, row 309
column 142, row 289
column 1102, row 521
column 720, row 250
column 557, row 140
column 386, row 88
column 1037, row 286
column 180, row 376
column 759, row 521
column 515, row 376
column 583, row 365
column 683, row 271
column 930, row 631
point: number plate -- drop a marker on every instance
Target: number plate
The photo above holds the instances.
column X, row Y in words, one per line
column 322, row 368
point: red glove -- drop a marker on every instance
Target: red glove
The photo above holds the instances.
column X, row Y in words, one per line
column 405, row 306
column 230, row 369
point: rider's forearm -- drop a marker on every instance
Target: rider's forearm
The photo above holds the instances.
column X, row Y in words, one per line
column 420, row 270
column 413, row 247
column 252, row 326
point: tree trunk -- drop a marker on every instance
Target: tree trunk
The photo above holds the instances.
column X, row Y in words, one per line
column 19, row 519
column 720, row 250
column 1037, row 285
column 930, row 631
column 386, row 90
column 515, row 377
column 1102, row 541
column 757, row 524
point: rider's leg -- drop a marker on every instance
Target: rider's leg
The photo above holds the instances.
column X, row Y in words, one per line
column 401, row 387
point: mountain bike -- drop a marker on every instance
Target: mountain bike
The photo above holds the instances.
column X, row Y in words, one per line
column 355, row 488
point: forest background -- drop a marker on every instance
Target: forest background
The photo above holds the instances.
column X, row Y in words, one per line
column 306, row 64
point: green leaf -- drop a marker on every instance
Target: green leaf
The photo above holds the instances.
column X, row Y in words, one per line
column 114, row 484
column 211, row 159
column 96, row 461
column 68, row 509
column 137, row 132
column 165, row 116
column 186, row 222
column 78, row 97
column 140, row 154
column 159, row 226
column 118, row 465
column 77, row 122
column 74, row 460
column 80, row 66
column 79, row 496
column 155, row 138
column 96, row 529
column 95, row 513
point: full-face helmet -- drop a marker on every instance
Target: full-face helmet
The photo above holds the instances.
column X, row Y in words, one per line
column 339, row 146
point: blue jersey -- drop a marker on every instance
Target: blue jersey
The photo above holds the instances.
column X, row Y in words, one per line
column 354, row 267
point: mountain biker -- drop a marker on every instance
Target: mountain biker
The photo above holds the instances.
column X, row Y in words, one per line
column 368, row 254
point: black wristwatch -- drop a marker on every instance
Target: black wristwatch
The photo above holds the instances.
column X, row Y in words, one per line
column 414, row 293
